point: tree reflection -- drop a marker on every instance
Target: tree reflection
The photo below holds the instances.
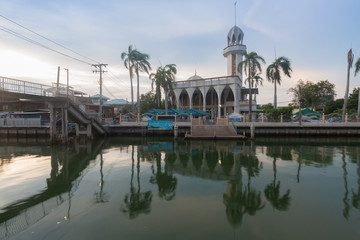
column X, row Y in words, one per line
column 136, row 202
column 241, row 200
column 356, row 196
column 272, row 193
column 101, row 196
column 166, row 182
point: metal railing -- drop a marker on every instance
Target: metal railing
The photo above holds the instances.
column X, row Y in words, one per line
column 25, row 87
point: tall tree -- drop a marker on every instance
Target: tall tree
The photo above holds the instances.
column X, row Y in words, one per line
column 128, row 58
column 257, row 81
column 251, row 65
column 165, row 77
column 141, row 64
column 273, row 73
column 357, row 70
column 153, row 77
column 350, row 57
column 313, row 95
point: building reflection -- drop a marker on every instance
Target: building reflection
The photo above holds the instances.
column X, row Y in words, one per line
column 67, row 166
column 219, row 161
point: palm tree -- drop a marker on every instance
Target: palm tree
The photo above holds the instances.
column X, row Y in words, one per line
column 165, row 77
column 357, row 66
column 141, row 64
column 153, row 77
column 251, row 64
column 257, row 81
column 128, row 58
column 346, row 97
column 357, row 69
column 273, row 73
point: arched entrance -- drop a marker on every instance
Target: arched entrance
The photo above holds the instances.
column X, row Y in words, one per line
column 227, row 101
column 197, row 100
column 212, row 102
column 184, row 100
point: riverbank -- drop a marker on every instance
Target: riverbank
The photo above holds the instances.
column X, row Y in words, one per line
column 181, row 128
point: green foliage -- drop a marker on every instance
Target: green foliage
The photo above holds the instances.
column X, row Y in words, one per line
column 273, row 73
column 337, row 105
column 313, row 95
column 334, row 106
column 353, row 101
column 274, row 114
column 266, row 106
column 251, row 66
column 357, row 66
column 125, row 109
column 149, row 101
column 164, row 78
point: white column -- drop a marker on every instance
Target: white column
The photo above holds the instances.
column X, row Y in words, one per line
column 190, row 92
column 233, row 88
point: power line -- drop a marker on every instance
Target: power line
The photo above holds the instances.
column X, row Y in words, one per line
column 30, row 40
column 5, row 29
column 48, row 39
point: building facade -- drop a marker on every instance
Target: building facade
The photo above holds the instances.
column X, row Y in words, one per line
column 219, row 96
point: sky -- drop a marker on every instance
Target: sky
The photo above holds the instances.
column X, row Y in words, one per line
column 314, row 34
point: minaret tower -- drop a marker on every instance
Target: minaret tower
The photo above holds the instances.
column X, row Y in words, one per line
column 234, row 51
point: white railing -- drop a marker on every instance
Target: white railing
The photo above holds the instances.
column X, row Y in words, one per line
column 20, row 122
column 20, row 86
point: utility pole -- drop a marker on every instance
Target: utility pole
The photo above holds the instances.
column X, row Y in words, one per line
column 100, row 66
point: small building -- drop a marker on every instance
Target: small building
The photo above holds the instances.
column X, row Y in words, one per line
column 117, row 104
column 96, row 99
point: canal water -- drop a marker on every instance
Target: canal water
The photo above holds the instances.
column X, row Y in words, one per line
column 122, row 188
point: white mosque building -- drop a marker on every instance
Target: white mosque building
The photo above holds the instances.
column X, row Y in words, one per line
column 219, row 96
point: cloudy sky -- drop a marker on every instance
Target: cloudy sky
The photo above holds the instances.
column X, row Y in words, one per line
column 314, row 34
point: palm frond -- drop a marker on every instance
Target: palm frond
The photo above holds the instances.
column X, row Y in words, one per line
column 357, row 66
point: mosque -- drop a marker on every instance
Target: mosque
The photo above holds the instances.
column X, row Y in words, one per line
column 223, row 95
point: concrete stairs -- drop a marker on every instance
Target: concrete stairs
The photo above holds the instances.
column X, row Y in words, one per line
column 213, row 131
column 83, row 118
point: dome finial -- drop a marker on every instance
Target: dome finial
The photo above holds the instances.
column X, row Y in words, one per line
column 235, row 11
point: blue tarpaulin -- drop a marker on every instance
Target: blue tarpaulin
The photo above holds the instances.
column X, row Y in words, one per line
column 160, row 125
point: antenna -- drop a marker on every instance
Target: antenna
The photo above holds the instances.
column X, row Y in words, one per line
column 235, row 11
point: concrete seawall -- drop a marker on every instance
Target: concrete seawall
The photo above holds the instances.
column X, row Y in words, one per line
column 260, row 129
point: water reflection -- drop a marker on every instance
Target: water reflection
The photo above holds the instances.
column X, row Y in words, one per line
column 238, row 199
column 67, row 166
column 250, row 174
column 136, row 202
column 101, row 196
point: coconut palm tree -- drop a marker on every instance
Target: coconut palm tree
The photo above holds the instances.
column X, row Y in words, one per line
column 165, row 77
column 141, row 64
column 153, row 77
column 357, row 66
column 273, row 73
column 257, row 81
column 251, row 64
column 357, row 70
column 128, row 58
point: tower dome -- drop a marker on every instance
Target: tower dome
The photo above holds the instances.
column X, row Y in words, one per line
column 235, row 36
